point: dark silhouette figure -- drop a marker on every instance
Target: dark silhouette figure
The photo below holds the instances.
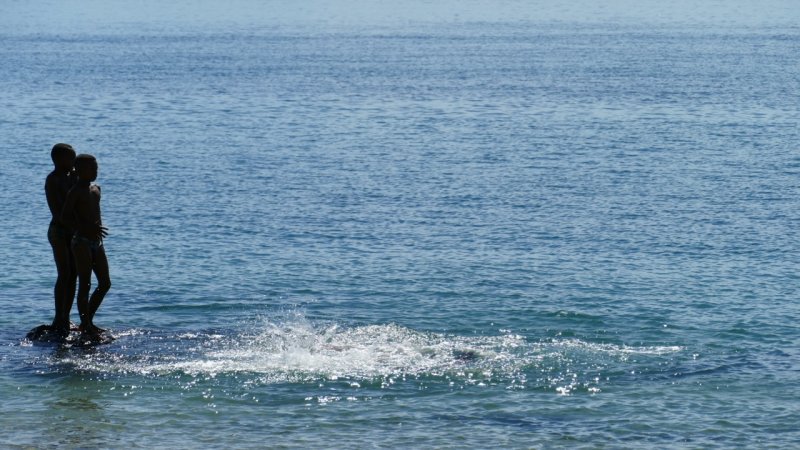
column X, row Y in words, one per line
column 82, row 213
column 57, row 185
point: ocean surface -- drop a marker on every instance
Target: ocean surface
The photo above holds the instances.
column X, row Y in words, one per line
column 349, row 224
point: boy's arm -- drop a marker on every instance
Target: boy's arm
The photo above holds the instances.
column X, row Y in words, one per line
column 51, row 191
column 102, row 230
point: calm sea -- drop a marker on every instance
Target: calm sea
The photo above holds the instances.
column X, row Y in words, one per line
column 450, row 224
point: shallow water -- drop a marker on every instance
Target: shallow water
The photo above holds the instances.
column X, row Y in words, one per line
column 431, row 226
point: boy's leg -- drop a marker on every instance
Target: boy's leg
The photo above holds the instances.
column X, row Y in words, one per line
column 64, row 289
column 83, row 265
column 72, row 285
column 100, row 267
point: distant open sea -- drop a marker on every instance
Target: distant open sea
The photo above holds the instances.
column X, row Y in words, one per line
column 455, row 224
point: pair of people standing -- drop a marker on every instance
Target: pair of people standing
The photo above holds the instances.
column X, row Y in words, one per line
column 76, row 235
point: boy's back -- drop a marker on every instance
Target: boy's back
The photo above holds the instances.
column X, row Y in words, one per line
column 56, row 187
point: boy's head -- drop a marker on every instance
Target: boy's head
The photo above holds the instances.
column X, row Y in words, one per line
column 63, row 156
column 86, row 167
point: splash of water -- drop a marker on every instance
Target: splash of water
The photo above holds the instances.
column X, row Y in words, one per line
column 296, row 350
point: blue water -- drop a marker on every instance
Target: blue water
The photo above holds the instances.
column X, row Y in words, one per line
column 450, row 224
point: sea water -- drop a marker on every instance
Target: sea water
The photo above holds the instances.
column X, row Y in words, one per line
column 424, row 224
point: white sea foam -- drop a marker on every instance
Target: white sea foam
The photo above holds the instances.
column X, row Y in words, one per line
column 618, row 349
column 357, row 352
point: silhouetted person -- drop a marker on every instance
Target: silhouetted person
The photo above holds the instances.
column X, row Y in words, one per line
column 56, row 186
column 82, row 213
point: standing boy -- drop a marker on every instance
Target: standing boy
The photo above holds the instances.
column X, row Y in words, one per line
column 82, row 213
column 56, row 187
